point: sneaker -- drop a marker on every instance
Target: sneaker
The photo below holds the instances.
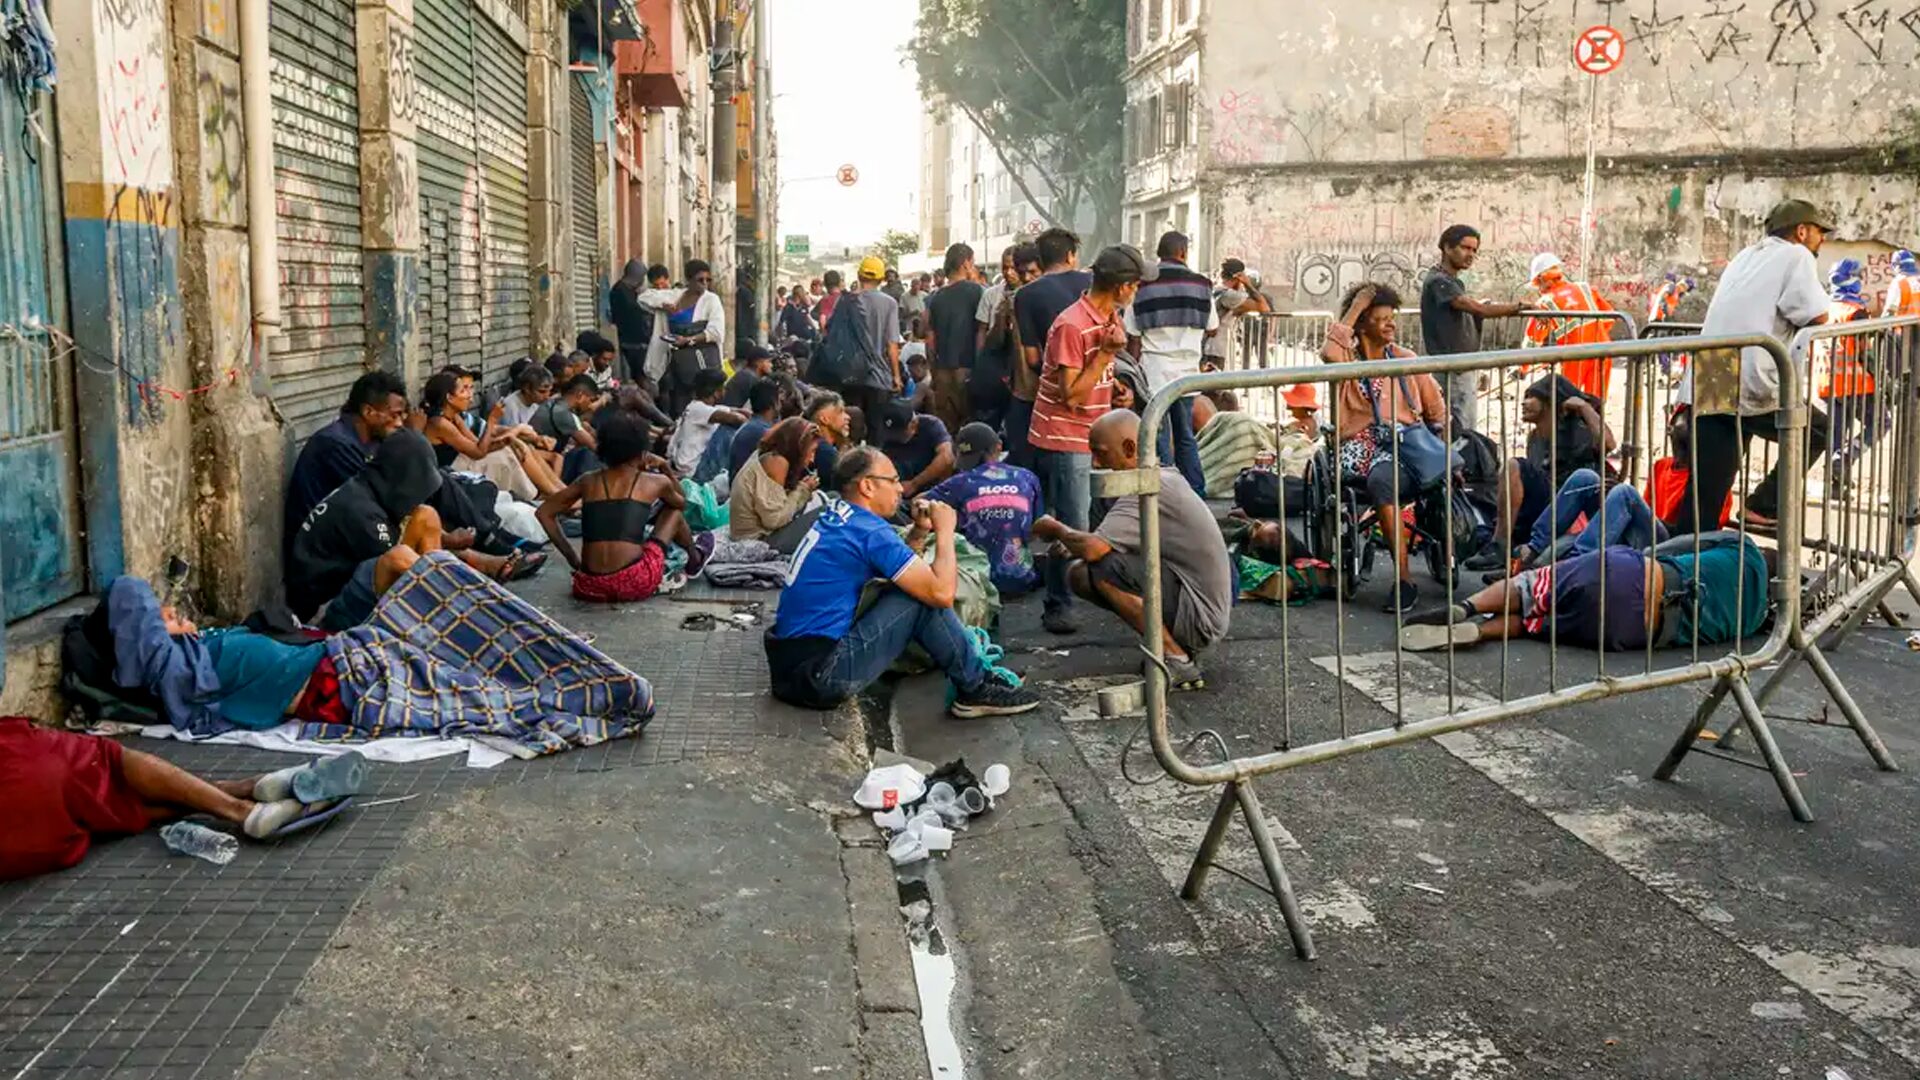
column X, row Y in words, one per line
column 1428, row 638
column 1401, row 597
column 992, row 698
column 1440, row 616
column 1490, row 557
column 1057, row 621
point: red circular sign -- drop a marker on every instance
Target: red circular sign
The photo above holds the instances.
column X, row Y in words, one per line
column 1599, row 49
column 848, row 176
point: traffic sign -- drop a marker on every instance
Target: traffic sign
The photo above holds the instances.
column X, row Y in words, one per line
column 848, row 176
column 799, row 245
column 1035, row 226
column 1599, row 49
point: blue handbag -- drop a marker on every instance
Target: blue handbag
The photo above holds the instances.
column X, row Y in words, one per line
column 1423, row 452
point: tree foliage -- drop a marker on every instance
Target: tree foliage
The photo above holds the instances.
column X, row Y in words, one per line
column 894, row 244
column 1042, row 81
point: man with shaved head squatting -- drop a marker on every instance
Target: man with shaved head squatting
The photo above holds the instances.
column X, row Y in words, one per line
column 1196, row 580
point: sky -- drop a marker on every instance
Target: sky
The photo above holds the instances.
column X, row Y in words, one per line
column 844, row 96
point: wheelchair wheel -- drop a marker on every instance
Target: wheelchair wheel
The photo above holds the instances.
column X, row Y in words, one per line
column 1444, row 572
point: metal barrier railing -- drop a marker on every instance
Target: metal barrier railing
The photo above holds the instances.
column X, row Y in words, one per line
column 1521, row 605
column 1861, row 538
column 1281, row 339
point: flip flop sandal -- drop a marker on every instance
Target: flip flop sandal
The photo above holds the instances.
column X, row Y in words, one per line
column 313, row 815
column 331, row 778
column 1427, row 638
column 520, row 565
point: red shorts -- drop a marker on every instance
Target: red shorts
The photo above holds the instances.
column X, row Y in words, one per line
column 60, row 790
column 631, row 583
column 320, row 702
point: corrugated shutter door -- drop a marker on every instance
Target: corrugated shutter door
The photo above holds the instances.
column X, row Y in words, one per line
column 500, row 91
column 586, row 207
column 316, row 165
column 450, row 295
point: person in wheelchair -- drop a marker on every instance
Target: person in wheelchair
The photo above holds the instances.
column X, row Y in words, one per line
column 1385, row 428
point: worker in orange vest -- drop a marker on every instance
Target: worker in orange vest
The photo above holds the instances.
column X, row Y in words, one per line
column 1903, row 296
column 1665, row 307
column 1559, row 294
column 1841, row 377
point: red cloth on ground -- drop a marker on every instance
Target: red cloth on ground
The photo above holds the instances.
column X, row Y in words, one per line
column 320, row 702
column 1666, row 487
column 636, row 581
column 59, row 790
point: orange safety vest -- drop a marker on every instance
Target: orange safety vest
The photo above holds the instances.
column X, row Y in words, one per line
column 1903, row 296
column 1841, row 372
column 1591, row 376
column 1665, row 303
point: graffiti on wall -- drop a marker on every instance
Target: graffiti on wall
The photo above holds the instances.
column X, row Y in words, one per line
column 1778, row 33
column 402, row 89
column 223, row 143
column 137, row 189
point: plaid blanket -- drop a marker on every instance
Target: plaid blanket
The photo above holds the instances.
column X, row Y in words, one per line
column 449, row 652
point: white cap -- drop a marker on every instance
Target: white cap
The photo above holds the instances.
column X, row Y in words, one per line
column 1542, row 263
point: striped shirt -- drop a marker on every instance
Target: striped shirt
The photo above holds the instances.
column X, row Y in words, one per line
column 1072, row 344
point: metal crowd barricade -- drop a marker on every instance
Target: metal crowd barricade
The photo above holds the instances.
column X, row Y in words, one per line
column 1728, row 672
column 1860, row 539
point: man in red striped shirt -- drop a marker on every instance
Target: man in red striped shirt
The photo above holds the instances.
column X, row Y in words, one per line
column 1076, row 388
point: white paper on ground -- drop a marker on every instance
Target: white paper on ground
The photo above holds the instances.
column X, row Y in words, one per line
column 393, row 749
column 517, row 518
column 997, row 780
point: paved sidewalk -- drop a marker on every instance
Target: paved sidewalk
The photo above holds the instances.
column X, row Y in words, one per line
column 676, row 904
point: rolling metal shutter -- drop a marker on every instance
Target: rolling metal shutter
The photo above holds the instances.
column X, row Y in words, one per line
column 450, row 296
column 500, row 96
column 316, row 165
column 585, row 186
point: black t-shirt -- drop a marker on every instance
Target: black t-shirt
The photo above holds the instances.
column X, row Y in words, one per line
column 739, row 388
column 913, row 456
column 1041, row 301
column 951, row 312
column 1444, row 329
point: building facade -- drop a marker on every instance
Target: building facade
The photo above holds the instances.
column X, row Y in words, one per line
column 1333, row 147
column 215, row 226
column 969, row 195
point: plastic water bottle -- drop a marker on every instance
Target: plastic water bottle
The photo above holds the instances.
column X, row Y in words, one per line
column 201, row 842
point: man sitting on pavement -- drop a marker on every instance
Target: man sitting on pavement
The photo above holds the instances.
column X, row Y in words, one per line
column 376, row 407
column 828, row 412
column 919, row 445
column 1196, row 579
column 1569, row 436
column 822, row 650
column 764, row 403
column 997, row 504
column 754, row 363
column 702, row 421
column 334, row 559
column 560, row 418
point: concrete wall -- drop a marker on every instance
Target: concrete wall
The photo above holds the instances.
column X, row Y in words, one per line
column 1410, row 80
column 1336, row 144
column 1314, row 235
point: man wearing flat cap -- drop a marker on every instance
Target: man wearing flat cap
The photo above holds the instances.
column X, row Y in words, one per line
column 1772, row 287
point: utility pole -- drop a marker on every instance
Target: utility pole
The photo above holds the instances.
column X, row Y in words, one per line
column 766, row 209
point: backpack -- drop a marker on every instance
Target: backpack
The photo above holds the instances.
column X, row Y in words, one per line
column 1257, row 491
column 844, row 355
column 86, row 661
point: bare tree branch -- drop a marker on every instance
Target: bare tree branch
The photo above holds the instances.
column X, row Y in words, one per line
column 1044, row 208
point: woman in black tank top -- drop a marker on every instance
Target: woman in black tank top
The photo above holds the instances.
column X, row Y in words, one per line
column 630, row 511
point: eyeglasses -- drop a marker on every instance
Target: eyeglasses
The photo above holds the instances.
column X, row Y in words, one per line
column 894, row 479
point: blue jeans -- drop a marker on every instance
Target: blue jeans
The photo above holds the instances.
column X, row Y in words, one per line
column 1629, row 519
column 1179, row 446
column 878, row 637
column 1066, row 492
column 717, row 456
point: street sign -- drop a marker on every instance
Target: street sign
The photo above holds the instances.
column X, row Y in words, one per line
column 848, row 176
column 1599, row 49
column 1035, row 226
column 799, row 245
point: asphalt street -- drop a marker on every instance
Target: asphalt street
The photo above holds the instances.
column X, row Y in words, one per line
column 1517, row 900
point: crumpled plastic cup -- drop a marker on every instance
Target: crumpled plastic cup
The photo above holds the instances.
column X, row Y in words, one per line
column 997, row 781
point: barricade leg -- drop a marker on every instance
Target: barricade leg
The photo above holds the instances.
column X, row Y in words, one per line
column 1240, row 793
column 1770, row 750
column 1691, row 734
column 1855, row 718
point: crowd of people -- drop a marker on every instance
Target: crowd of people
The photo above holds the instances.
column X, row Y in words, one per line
column 893, row 427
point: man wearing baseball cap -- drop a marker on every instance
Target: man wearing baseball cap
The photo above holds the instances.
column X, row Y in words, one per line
column 996, row 503
column 881, row 378
column 1771, row 287
column 916, row 443
column 1076, row 388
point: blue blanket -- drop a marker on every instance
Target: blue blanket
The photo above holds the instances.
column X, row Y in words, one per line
column 449, row 652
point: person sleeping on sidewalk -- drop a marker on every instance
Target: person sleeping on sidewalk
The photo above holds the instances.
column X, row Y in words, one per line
column 1667, row 596
column 63, row 790
column 334, row 561
column 1196, row 578
column 822, row 648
